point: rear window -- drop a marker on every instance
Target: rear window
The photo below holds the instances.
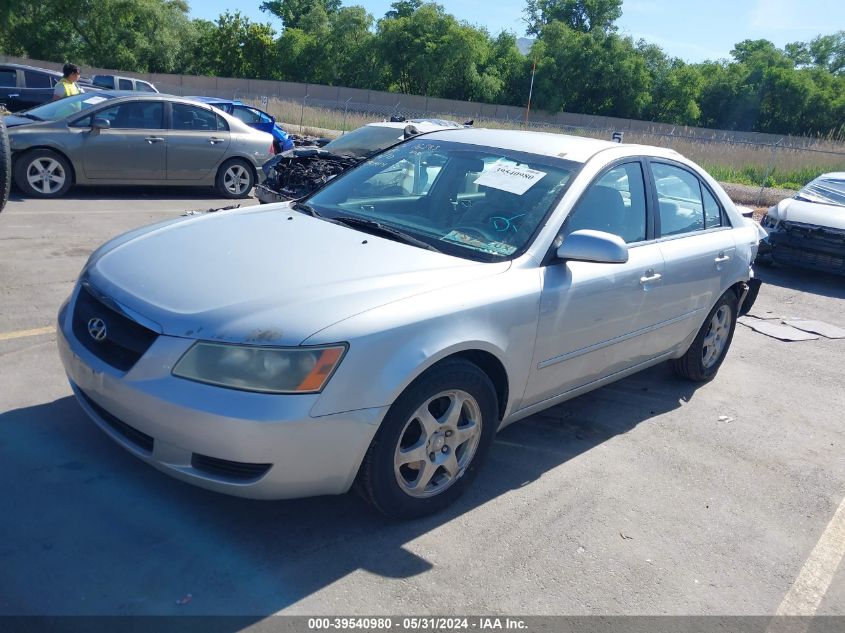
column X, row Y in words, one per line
column 365, row 140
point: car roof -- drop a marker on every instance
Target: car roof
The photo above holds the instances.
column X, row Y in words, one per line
column 37, row 68
column 575, row 148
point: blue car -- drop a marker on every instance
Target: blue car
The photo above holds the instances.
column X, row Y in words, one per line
column 253, row 117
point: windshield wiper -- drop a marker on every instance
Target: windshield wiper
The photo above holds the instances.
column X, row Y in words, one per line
column 307, row 209
column 377, row 228
column 30, row 116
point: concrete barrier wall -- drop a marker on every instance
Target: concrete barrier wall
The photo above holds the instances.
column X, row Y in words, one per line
column 388, row 102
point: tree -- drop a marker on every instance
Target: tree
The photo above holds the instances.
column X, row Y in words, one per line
column 139, row 35
column 580, row 15
column 291, row 12
column 235, row 46
column 828, row 51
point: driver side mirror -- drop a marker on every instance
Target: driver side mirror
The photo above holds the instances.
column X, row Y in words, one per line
column 100, row 123
column 587, row 245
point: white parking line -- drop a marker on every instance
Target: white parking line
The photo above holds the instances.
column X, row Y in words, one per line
column 7, row 336
column 815, row 577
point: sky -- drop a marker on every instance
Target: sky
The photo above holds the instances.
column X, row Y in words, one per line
column 690, row 29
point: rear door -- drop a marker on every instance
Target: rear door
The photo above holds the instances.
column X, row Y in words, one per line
column 196, row 142
column 697, row 245
column 133, row 149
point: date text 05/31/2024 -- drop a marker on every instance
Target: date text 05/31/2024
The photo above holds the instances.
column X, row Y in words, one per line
column 427, row 623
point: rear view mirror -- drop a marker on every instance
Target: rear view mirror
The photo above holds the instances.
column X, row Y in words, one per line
column 100, row 123
column 593, row 246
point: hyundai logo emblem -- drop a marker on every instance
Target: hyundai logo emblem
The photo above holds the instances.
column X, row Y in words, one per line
column 97, row 329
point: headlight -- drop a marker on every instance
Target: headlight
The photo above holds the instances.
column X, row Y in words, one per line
column 263, row 369
column 768, row 222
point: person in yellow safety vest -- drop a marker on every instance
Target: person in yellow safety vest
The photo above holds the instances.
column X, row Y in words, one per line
column 66, row 86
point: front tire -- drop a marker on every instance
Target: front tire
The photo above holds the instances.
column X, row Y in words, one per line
column 43, row 173
column 704, row 357
column 432, row 442
column 235, row 179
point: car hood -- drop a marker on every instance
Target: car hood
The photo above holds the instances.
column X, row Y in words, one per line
column 813, row 213
column 266, row 275
column 12, row 120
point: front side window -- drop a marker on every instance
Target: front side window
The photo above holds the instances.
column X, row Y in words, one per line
column 679, row 200
column 147, row 115
column 35, row 79
column 188, row 117
column 470, row 201
column 615, row 203
column 8, row 78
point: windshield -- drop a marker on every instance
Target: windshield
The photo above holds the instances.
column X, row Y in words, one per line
column 825, row 190
column 68, row 106
column 365, row 140
column 476, row 202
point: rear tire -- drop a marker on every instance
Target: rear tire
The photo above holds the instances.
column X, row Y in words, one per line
column 43, row 173
column 431, row 443
column 235, row 179
column 710, row 346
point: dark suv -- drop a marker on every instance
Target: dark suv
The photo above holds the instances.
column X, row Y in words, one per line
column 23, row 87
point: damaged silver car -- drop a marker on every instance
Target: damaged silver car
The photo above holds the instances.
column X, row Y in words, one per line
column 808, row 230
column 378, row 337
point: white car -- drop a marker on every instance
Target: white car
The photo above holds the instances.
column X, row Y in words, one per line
column 808, row 230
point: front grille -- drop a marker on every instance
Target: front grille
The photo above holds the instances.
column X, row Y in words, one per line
column 141, row 440
column 225, row 469
column 125, row 342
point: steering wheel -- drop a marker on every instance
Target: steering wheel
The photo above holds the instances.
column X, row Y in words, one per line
column 475, row 231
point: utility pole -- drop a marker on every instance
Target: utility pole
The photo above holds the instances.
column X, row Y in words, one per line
column 530, row 90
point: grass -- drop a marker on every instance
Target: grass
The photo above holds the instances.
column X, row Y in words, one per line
column 727, row 161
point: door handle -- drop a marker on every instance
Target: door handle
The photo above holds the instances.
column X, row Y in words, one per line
column 154, row 139
column 650, row 277
column 214, row 140
column 722, row 258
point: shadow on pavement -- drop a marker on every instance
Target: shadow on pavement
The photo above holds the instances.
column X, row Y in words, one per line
column 89, row 530
column 132, row 193
column 816, row 282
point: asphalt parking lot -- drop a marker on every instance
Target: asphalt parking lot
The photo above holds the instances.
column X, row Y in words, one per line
column 649, row 496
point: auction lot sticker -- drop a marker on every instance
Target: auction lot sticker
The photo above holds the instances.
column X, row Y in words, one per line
column 512, row 178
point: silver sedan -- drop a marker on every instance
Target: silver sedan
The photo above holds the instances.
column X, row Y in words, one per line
column 129, row 138
column 379, row 332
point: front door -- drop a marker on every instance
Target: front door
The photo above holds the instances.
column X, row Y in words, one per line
column 597, row 319
column 134, row 147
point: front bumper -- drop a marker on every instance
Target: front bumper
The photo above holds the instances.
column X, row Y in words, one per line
column 253, row 445
column 807, row 247
column 266, row 195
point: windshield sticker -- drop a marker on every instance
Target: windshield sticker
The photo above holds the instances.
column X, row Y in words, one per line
column 95, row 100
column 510, row 178
column 494, row 248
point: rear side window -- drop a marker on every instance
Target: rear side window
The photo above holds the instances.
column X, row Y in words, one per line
column 188, row 117
column 679, row 200
column 8, row 78
column 36, row 80
column 124, row 84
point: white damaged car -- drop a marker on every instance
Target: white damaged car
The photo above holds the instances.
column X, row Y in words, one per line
column 808, row 230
